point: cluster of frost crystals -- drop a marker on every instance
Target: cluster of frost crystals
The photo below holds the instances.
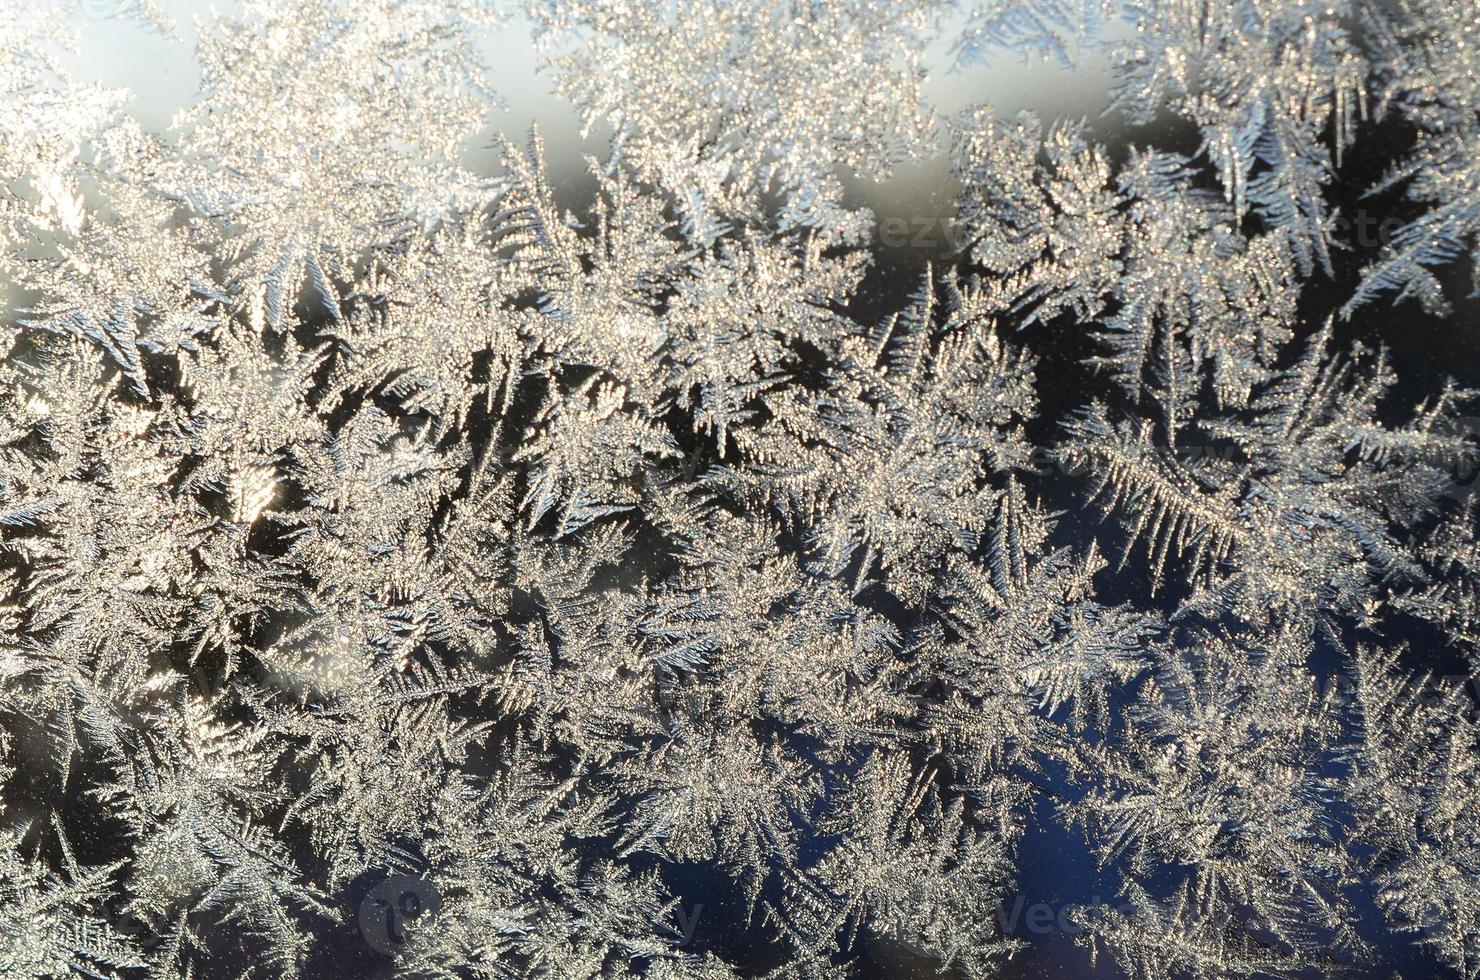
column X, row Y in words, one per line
column 726, row 104
column 657, row 585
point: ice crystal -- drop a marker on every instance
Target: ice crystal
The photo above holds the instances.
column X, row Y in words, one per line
column 421, row 571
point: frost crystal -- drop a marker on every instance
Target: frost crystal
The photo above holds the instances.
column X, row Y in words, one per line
column 422, row 570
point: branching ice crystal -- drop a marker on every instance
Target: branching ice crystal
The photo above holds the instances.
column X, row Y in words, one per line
column 675, row 585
